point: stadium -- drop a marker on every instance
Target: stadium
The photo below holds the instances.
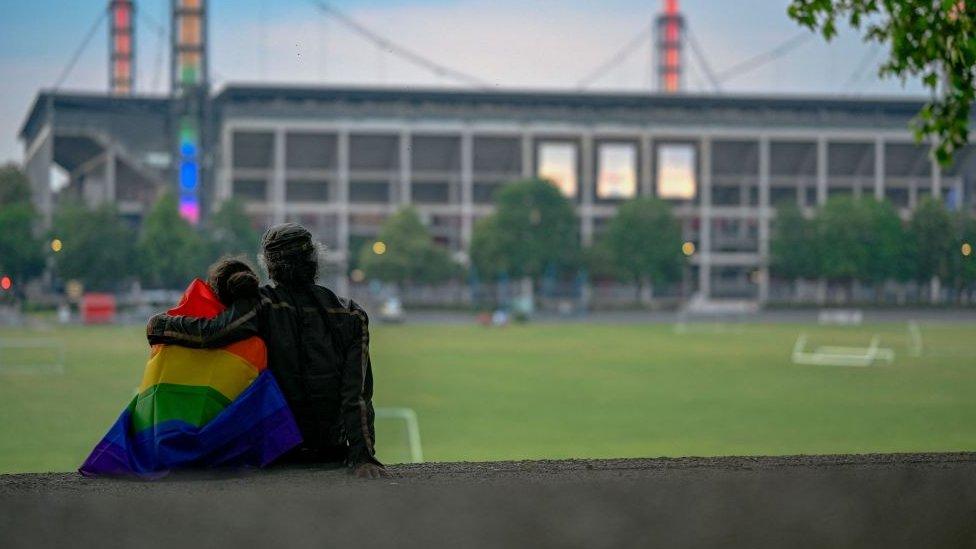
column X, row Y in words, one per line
column 341, row 160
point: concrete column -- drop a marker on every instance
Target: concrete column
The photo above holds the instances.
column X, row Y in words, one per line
column 467, row 188
column 278, row 177
column 342, row 194
column 822, row 161
column 586, row 189
column 225, row 174
column 879, row 168
column 406, row 169
column 646, row 165
column 705, row 218
column 110, row 171
column 528, row 155
column 936, row 178
column 38, row 157
column 765, row 213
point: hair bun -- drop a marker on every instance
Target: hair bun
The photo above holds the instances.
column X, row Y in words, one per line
column 243, row 284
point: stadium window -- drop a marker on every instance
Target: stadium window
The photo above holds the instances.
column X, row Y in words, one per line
column 250, row 189
column 307, row 191
column 557, row 164
column 425, row 192
column 617, row 171
column 252, row 149
column 676, row 172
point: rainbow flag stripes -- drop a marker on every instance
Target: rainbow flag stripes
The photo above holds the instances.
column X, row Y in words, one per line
column 199, row 408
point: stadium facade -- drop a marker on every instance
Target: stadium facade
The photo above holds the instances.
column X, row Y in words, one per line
column 340, row 160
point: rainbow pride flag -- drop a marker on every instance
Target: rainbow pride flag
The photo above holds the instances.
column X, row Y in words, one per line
column 199, row 408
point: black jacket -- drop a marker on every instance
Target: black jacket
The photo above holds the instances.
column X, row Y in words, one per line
column 318, row 351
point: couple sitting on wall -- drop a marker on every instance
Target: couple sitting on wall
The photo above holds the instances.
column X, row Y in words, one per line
column 243, row 376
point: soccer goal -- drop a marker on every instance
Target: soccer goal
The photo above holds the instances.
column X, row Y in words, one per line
column 841, row 356
column 31, row 355
column 409, row 419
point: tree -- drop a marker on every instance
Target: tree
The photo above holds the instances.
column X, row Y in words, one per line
column 21, row 254
column 97, row 247
column 962, row 257
column 405, row 253
column 644, row 241
column 795, row 245
column 843, row 225
column 931, row 235
column 885, row 242
column 532, row 229
column 231, row 232
column 929, row 39
column 171, row 252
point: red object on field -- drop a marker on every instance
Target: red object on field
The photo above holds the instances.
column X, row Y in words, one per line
column 98, row 308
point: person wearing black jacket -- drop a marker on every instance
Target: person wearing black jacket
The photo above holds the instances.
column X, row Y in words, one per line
column 318, row 349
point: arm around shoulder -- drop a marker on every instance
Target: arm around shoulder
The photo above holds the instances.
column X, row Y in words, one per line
column 237, row 322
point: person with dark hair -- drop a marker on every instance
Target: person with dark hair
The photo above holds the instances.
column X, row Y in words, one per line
column 318, row 349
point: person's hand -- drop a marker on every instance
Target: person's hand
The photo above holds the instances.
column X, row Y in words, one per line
column 370, row 470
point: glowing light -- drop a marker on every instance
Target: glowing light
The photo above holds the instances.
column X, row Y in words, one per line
column 56, row 245
column 6, row 283
column 357, row 275
column 688, row 248
column 379, row 247
column 188, row 175
column 190, row 209
column 967, row 249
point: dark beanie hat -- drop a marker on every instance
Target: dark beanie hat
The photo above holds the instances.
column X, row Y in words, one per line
column 286, row 239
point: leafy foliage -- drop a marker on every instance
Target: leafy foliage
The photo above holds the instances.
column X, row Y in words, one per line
column 848, row 239
column 97, row 248
column 794, row 247
column 21, row 254
column 533, row 229
column 410, row 254
column 962, row 266
column 644, row 241
column 171, row 251
column 934, row 40
column 231, row 232
column 932, row 238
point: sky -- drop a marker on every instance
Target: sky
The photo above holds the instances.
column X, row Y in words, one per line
column 528, row 44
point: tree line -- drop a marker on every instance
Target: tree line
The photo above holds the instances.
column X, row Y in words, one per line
column 99, row 249
column 850, row 240
column 533, row 233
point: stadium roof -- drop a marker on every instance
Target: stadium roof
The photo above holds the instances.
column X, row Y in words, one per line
column 808, row 107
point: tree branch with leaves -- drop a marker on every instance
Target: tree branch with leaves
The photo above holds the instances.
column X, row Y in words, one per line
column 932, row 40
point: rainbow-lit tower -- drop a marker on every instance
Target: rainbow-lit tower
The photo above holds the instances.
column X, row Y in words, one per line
column 670, row 26
column 121, row 47
column 190, row 89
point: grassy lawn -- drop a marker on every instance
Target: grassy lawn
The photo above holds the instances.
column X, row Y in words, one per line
column 560, row 391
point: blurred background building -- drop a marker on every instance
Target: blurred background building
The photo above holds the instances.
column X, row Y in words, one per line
column 340, row 160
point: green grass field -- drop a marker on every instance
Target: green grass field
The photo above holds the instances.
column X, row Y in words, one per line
column 561, row 391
